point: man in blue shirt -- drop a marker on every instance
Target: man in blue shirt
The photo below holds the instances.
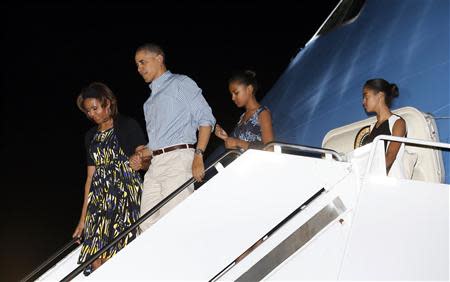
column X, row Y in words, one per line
column 174, row 112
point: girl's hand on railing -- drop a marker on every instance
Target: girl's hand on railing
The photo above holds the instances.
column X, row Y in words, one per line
column 232, row 143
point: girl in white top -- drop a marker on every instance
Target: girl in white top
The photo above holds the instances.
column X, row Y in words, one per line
column 377, row 98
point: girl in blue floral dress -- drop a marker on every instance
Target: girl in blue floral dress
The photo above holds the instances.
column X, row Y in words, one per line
column 254, row 128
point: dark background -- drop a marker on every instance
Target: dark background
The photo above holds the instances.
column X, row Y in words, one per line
column 51, row 50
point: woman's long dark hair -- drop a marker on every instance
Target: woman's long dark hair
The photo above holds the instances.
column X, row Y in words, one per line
column 102, row 93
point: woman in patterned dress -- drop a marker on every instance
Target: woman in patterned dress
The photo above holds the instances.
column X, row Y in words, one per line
column 254, row 128
column 112, row 190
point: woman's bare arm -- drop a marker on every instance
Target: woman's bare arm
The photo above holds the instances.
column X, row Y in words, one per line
column 399, row 129
column 87, row 186
column 265, row 121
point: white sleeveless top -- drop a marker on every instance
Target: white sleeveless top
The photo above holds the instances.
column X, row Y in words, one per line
column 397, row 169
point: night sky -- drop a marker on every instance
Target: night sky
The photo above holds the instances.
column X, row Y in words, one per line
column 51, row 51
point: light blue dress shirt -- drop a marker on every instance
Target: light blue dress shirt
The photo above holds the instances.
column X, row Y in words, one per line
column 174, row 111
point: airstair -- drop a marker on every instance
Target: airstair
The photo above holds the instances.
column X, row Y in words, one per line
column 295, row 212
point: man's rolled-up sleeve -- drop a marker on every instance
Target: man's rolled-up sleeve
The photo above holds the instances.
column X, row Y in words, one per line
column 200, row 110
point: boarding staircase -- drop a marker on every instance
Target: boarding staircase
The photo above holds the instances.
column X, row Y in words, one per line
column 289, row 213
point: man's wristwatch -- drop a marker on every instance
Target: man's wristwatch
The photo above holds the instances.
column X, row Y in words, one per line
column 199, row 152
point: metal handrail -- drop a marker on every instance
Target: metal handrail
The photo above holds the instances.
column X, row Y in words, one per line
column 420, row 142
column 303, row 148
column 149, row 213
column 50, row 259
column 267, row 235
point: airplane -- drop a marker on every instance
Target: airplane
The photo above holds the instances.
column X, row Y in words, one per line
column 319, row 205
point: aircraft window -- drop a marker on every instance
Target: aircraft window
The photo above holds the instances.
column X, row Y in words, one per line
column 347, row 11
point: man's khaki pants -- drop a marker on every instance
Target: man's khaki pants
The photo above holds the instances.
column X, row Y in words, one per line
column 166, row 173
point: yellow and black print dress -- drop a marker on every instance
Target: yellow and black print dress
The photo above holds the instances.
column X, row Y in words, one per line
column 114, row 198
